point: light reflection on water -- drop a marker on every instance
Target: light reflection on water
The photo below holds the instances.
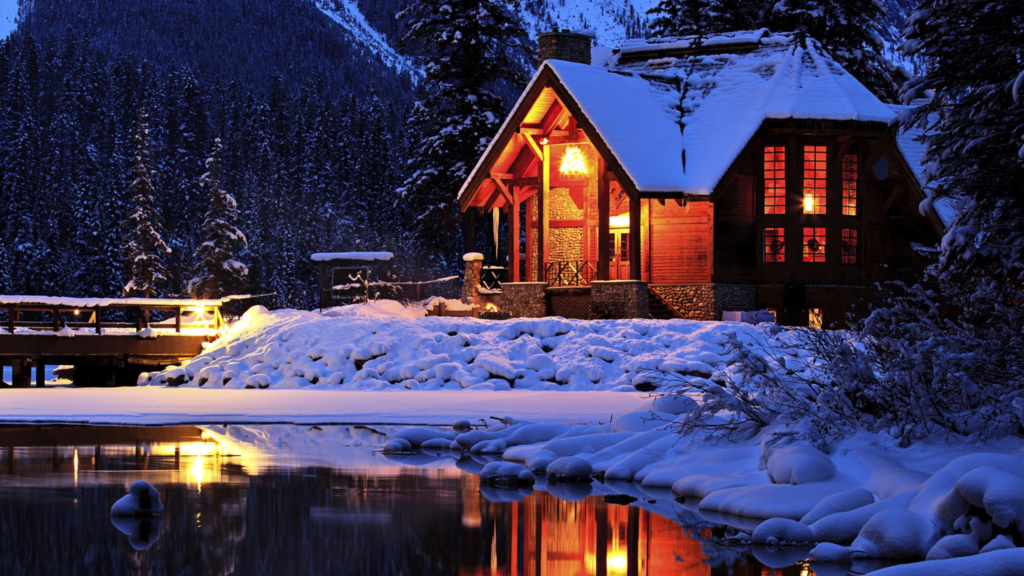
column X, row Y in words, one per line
column 228, row 511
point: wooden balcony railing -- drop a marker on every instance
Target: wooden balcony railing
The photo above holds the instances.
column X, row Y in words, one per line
column 570, row 273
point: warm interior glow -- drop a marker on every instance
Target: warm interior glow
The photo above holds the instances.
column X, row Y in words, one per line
column 573, row 162
column 618, row 221
column 198, row 471
column 618, row 562
column 808, row 204
column 814, row 318
column 76, row 312
column 490, row 307
column 544, row 141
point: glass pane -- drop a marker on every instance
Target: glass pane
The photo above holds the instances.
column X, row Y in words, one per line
column 624, row 247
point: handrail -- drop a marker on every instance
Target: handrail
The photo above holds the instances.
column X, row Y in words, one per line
column 570, row 273
column 491, row 277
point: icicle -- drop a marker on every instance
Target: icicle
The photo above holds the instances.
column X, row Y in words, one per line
column 495, row 217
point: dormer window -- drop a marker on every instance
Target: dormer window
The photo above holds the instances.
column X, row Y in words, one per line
column 775, row 180
column 815, row 161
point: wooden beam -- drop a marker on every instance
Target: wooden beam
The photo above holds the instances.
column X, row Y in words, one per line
column 502, row 188
column 530, row 272
column 534, row 147
column 603, row 221
column 543, row 215
column 40, row 373
column 513, row 238
column 635, row 240
column 897, row 191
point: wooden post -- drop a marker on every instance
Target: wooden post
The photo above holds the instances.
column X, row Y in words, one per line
column 635, row 240
column 56, row 320
column 138, row 319
column 603, row 221
column 513, row 237
column 177, row 319
column 10, row 320
column 544, row 247
column 40, row 373
column 530, row 272
column 20, row 374
column 96, row 316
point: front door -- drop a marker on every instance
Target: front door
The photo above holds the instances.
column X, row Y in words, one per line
column 618, row 268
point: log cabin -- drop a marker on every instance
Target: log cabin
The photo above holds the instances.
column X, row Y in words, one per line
column 685, row 177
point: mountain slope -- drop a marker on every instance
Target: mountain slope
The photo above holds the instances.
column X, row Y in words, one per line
column 8, row 17
column 346, row 13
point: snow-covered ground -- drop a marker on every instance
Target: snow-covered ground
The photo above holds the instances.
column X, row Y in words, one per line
column 358, row 347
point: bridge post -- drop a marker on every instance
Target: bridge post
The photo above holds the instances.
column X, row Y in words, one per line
column 40, row 373
column 20, row 374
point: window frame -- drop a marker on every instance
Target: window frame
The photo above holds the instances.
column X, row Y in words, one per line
column 843, row 199
column 820, row 208
column 780, row 208
column 781, row 255
column 856, row 246
column 805, row 250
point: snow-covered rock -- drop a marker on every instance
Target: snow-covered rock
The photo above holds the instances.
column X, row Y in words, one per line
column 799, row 464
column 570, row 469
column 142, row 500
column 895, row 535
column 506, row 474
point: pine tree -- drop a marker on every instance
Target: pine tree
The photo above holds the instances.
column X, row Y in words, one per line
column 218, row 272
column 702, row 18
column 472, row 48
column 971, row 98
column 144, row 247
column 849, row 30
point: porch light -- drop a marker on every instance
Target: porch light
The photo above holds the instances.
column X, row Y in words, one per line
column 573, row 162
column 808, row 204
column 76, row 312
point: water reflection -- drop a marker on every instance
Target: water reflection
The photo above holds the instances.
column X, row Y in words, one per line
column 223, row 515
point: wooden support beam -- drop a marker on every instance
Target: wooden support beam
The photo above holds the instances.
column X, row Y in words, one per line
column 96, row 317
column 897, row 191
column 177, row 319
column 502, row 187
column 534, row 146
column 10, row 320
column 40, row 373
column 543, row 215
column 530, row 272
column 513, row 238
column 635, row 240
column 56, row 319
column 603, row 221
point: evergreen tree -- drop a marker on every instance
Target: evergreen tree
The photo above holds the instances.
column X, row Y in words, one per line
column 849, row 30
column 144, row 247
column 702, row 18
column 971, row 100
column 471, row 49
column 218, row 272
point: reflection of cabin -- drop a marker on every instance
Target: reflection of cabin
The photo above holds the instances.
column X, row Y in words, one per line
column 345, row 277
column 746, row 172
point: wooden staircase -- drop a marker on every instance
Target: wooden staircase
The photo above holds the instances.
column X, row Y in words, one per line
column 659, row 308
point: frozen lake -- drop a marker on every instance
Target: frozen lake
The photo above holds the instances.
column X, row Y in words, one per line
column 233, row 509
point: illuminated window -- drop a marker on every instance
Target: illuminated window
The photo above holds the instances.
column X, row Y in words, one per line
column 775, row 180
column 814, row 245
column 849, row 246
column 814, row 179
column 774, row 245
column 850, row 185
column 814, row 318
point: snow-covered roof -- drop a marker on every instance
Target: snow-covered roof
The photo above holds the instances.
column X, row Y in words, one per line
column 676, row 113
column 360, row 256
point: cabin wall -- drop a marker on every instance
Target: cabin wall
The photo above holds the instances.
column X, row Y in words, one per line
column 886, row 223
column 681, row 242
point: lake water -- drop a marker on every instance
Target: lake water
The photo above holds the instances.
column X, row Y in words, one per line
column 239, row 509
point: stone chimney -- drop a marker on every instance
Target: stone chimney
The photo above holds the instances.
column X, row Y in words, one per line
column 564, row 45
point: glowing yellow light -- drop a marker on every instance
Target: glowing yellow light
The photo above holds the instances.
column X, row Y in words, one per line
column 543, row 141
column 76, row 460
column 490, row 307
column 808, row 204
column 76, row 312
column 618, row 221
column 198, row 471
column 573, row 162
column 618, row 562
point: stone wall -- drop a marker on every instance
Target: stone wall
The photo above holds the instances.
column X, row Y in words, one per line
column 563, row 46
column 566, row 243
column 471, row 281
column 622, row 298
column 524, row 299
column 707, row 301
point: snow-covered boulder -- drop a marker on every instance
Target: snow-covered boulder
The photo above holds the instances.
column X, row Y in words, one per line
column 954, row 546
column 570, row 469
column 142, row 500
column 836, row 503
column 799, row 464
column 895, row 535
column 776, row 531
column 674, row 404
column 506, row 474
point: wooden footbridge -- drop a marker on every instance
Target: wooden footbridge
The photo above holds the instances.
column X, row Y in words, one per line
column 109, row 342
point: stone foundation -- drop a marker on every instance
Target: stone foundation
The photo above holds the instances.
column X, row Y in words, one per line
column 622, row 298
column 707, row 301
column 524, row 299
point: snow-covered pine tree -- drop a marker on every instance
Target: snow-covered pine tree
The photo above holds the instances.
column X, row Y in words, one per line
column 472, row 49
column 971, row 100
column 851, row 32
column 217, row 271
column 702, row 17
column 144, row 247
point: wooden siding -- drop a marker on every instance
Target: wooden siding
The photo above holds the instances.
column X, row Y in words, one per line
column 681, row 242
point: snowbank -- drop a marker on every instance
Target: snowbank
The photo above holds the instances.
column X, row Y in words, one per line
column 384, row 345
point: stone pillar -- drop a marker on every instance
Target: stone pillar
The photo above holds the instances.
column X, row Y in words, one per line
column 471, row 282
column 525, row 299
column 622, row 298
